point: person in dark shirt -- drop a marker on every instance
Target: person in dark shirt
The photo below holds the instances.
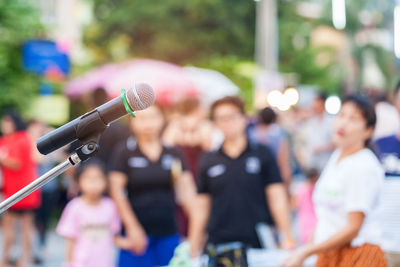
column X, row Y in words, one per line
column 192, row 134
column 236, row 185
column 269, row 133
column 110, row 138
column 115, row 133
column 146, row 178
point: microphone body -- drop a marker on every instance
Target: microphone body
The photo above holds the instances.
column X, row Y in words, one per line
column 89, row 126
column 86, row 126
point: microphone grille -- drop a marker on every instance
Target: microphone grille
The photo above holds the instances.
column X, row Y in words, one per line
column 141, row 96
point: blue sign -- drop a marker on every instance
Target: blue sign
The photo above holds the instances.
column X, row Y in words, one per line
column 38, row 56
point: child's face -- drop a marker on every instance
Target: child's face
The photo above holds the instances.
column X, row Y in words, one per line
column 92, row 182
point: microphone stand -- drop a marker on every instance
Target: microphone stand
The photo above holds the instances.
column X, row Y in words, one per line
column 81, row 154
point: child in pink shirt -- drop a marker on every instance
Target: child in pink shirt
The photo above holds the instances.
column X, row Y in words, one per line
column 305, row 207
column 90, row 222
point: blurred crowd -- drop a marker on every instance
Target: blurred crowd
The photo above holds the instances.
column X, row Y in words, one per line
column 214, row 176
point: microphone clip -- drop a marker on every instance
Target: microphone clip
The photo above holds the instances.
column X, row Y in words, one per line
column 86, row 151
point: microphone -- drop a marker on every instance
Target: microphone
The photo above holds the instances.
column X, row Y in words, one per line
column 89, row 126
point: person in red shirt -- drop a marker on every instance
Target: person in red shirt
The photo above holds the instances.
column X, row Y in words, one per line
column 18, row 169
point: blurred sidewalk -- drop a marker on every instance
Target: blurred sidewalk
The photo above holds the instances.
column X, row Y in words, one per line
column 55, row 250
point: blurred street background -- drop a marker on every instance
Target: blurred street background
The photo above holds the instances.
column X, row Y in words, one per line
column 61, row 58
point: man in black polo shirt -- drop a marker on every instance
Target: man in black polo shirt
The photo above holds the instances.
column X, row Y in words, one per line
column 237, row 185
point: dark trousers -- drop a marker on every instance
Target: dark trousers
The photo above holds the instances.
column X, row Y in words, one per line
column 43, row 214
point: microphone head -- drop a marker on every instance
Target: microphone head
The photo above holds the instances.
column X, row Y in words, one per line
column 141, row 96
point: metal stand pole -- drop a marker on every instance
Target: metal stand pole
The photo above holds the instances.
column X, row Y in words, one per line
column 81, row 154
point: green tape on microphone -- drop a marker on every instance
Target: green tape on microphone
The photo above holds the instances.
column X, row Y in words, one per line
column 127, row 107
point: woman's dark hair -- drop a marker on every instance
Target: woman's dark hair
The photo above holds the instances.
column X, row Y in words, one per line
column 368, row 112
column 99, row 97
column 93, row 162
column 17, row 120
column 311, row 173
column 321, row 96
column 267, row 116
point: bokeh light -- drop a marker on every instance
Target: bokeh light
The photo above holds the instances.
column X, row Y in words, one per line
column 274, row 98
column 291, row 96
column 283, row 106
column 283, row 101
column 333, row 104
column 339, row 14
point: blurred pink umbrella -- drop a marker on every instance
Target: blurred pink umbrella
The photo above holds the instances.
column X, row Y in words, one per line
column 171, row 82
column 91, row 80
column 212, row 84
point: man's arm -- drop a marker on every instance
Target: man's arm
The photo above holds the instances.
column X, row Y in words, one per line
column 185, row 190
column 283, row 160
column 279, row 206
column 198, row 223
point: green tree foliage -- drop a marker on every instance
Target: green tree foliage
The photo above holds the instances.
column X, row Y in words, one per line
column 232, row 67
column 298, row 56
column 18, row 22
column 218, row 34
column 377, row 15
column 177, row 31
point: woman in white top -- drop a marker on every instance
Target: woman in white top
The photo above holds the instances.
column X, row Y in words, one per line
column 347, row 194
